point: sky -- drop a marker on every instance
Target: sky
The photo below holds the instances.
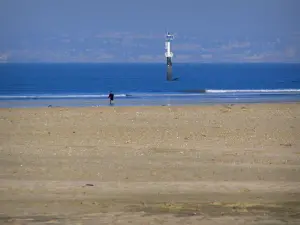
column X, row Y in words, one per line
column 133, row 30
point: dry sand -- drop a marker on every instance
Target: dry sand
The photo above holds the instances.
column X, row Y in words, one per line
column 225, row 164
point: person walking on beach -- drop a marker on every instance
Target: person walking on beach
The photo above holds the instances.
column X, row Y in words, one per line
column 111, row 98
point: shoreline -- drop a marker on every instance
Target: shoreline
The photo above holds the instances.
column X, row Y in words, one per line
column 186, row 106
column 178, row 102
column 188, row 97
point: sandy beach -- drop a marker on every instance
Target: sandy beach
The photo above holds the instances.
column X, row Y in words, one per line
column 222, row 164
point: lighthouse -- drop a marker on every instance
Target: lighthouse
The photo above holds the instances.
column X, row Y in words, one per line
column 169, row 55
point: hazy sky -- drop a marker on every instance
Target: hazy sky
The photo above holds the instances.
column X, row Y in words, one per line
column 71, row 30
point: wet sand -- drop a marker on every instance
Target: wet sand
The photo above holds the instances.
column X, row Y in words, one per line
column 223, row 164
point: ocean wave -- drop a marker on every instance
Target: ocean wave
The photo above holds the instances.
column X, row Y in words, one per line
column 255, row 91
column 57, row 96
column 84, row 96
column 201, row 92
column 185, row 93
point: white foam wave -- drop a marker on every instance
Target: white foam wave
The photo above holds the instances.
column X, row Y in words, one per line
column 55, row 96
column 141, row 95
column 255, row 91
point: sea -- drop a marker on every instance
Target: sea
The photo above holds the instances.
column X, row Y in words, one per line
column 88, row 84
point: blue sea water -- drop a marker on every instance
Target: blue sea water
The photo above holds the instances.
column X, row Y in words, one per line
column 40, row 84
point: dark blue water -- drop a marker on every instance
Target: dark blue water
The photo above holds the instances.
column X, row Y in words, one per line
column 228, row 82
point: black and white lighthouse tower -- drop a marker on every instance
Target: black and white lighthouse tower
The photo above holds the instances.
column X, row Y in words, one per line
column 169, row 55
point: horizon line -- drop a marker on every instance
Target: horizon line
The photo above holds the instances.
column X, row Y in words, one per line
column 72, row 62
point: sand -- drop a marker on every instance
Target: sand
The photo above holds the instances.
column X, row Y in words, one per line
column 223, row 164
